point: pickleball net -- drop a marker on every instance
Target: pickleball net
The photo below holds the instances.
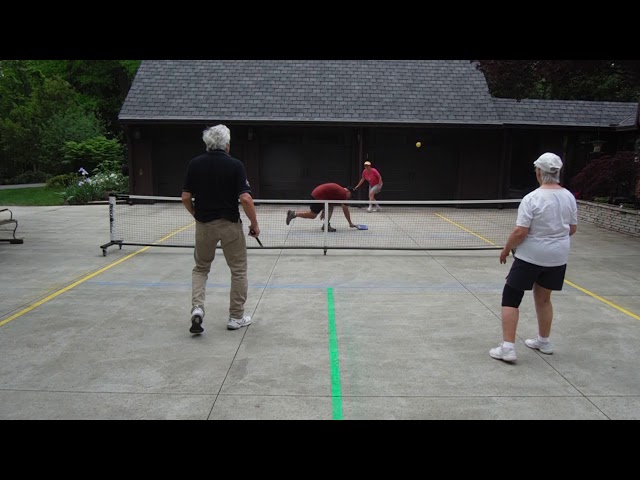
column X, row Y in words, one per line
column 400, row 225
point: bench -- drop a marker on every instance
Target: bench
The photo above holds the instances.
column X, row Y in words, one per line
column 9, row 221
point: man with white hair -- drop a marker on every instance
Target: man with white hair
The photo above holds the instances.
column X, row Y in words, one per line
column 547, row 217
column 213, row 183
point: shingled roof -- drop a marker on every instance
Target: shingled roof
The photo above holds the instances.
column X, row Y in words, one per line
column 573, row 113
column 375, row 91
column 422, row 92
column 630, row 121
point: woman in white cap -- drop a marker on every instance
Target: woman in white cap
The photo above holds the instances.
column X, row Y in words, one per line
column 547, row 217
column 374, row 178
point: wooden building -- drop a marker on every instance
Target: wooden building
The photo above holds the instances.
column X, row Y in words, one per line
column 298, row 123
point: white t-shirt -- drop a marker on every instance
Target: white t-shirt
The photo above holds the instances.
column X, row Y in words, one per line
column 547, row 213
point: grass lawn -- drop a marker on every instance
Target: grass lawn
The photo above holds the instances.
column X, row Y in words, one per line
column 30, row 197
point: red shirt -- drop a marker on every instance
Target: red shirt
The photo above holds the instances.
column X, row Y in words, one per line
column 373, row 176
column 329, row 191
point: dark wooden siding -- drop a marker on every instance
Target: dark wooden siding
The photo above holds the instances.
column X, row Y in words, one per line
column 287, row 162
column 479, row 175
column 142, row 172
column 173, row 147
column 293, row 161
column 409, row 172
column 527, row 145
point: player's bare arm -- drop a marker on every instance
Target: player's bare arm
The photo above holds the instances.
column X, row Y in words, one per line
column 250, row 210
column 516, row 238
column 347, row 215
column 187, row 202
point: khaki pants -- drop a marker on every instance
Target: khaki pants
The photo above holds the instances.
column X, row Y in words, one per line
column 234, row 247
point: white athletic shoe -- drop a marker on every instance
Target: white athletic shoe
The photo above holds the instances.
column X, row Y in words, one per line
column 197, row 315
column 536, row 344
column 501, row 354
column 236, row 323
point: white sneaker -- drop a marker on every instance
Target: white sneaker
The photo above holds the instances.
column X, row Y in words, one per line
column 376, row 209
column 197, row 315
column 536, row 344
column 500, row 354
column 236, row 323
column 369, row 210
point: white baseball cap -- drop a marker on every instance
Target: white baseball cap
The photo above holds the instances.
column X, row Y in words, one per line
column 549, row 162
column 367, row 162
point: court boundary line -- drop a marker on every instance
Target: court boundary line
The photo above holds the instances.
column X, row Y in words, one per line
column 603, row 300
column 334, row 358
column 568, row 282
column 83, row 279
column 69, row 287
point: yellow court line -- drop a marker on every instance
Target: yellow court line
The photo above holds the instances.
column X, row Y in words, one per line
column 69, row 287
column 465, row 229
column 84, row 279
column 603, row 300
column 584, row 290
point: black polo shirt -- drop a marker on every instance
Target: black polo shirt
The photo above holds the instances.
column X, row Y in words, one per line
column 216, row 180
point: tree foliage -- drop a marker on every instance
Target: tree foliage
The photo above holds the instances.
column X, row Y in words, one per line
column 608, row 176
column 95, row 155
column 23, row 120
column 72, row 125
column 44, row 104
column 602, row 80
column 101, row 84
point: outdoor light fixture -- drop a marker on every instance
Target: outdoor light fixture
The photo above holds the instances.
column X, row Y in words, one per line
column 597, row 145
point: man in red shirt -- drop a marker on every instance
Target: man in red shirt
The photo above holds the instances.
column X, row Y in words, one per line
column 326, row 191
column 374, row 178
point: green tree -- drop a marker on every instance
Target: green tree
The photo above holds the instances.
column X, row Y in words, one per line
column 46, row 103
column 102, row 84
column 33, row 100
column 97, row 154
column 602, row 80
column 15, row 90
column 72, row 125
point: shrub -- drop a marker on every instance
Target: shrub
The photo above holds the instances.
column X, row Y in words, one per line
column 29, row 177
column 95, row 188
column 110, row 165
column 62, row 181
column 93, row 152
column 608, row 176
column 74, row 124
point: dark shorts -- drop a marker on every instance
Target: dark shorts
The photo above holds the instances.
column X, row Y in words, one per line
column 317, row 207
column 523, row 275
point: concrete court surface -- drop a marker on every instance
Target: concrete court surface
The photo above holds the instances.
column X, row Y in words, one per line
column 350, row 335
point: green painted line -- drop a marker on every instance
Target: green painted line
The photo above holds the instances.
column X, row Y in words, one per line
column 334, row 356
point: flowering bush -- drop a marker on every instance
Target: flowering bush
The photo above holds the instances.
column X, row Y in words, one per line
column 97, row 187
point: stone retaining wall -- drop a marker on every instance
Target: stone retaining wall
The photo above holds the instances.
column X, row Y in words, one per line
column 618, row 219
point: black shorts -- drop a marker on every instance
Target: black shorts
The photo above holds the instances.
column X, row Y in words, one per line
column 523, row 275
column 317, row 207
